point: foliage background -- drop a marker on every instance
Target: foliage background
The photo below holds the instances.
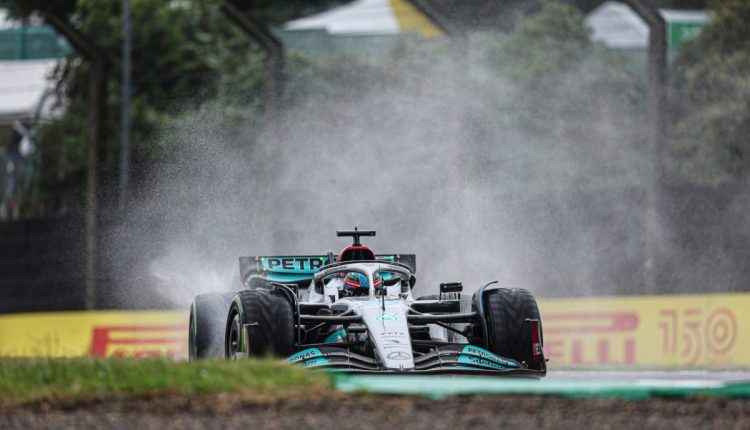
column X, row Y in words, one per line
column 710, row 100
column 533, row 151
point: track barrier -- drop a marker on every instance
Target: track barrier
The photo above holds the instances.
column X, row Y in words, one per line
column 711, row 330
column 95, row 333
column 700, row 331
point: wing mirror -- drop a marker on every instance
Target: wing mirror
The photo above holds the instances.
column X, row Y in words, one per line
column 450, row 288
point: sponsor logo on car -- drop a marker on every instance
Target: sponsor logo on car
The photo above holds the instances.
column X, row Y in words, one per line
column 486, row 355
column 293, row 264
column 386, row 316
column 399, row 355
column 305, row 355
column 468, row 359
column 315, row 362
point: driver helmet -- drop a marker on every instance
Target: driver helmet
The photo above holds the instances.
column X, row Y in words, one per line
column 355, row 281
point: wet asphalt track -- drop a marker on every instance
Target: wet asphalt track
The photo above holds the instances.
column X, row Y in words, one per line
column 677, row 377
column 604, row 384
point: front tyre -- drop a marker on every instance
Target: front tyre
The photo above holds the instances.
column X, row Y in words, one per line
column 206, row 331
column 508, row 333
column 269, row 322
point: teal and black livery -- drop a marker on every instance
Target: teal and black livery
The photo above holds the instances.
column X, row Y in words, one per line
column 301, row 268
column 337, row 336
column 446, row 359
column 464, row 357
column 311, row 357
column 480, row 357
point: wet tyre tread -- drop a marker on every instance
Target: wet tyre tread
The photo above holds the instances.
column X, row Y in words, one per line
column 272, row 322
column 506, row 311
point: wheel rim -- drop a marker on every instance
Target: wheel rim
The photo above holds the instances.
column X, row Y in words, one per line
column 234, row 340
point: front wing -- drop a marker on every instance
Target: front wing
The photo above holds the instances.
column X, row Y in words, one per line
column 447, row 359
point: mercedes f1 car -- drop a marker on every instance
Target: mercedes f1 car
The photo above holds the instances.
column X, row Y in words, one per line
column 355, row 312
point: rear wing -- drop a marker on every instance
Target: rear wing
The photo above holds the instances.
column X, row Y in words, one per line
column 300, row 268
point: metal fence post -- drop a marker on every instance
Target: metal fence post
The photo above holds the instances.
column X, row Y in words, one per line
column 657, row 80
column 97, row 108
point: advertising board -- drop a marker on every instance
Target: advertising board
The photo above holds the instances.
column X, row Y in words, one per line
column 711, row 331
column 96, row 333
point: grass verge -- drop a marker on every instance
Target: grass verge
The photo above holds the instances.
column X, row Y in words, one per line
column 24, row 381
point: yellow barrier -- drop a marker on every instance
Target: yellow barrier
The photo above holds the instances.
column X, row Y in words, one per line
column 710, row 330
column 100, row 333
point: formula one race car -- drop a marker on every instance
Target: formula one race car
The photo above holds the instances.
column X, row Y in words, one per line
column 356, row 313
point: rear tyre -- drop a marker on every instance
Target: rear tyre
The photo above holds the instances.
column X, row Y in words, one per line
column 270, row 325
column 508, row 333
column 206, row 334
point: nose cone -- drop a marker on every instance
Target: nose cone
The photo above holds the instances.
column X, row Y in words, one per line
column 389, row 332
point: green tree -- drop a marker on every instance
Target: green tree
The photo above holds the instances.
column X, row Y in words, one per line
column 576, row 107
column 711, row 98
column 184, row 54
column 188, row 61
column 550, row 41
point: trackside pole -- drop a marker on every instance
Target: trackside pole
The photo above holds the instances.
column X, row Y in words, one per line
column 657, row 78
column 96, row 116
